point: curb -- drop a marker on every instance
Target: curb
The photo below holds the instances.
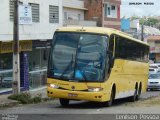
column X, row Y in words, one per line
column 5, row 102
column 10, row 103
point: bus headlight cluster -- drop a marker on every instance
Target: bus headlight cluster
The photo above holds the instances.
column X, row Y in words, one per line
column 95, row 89
column 53, row 86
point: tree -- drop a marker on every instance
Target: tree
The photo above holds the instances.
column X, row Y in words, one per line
column 134, row 17
column 152, row 21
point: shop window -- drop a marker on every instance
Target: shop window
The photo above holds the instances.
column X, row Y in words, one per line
column 5, row 61
column 38, row 61
column 44, row 57
column 5, row 71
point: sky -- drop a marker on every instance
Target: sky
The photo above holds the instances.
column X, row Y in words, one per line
column 140, row 10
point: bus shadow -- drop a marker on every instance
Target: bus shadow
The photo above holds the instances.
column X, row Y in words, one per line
column 86, row 104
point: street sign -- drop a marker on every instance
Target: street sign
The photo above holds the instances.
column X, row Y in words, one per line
column 25, row 14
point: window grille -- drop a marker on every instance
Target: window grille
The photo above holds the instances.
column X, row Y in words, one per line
column 35, row 12
column 53, row 14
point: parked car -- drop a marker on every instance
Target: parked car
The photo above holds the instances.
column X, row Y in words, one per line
column 152, row 70
column 155, row 66
column 158, row 64
column 153, row 81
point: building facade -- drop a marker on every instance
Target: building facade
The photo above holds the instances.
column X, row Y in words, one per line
column 35, row 36
column 105, row 12
column 125, row 24
column 154, row 42
column 38, row 21
column 73, row 13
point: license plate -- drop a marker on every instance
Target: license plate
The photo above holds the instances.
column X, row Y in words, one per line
column 72, row 95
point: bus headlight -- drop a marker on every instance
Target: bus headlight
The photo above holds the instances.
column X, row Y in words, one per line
column 53, row 86
column 95, row 89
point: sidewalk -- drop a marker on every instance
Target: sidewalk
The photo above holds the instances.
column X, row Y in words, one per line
column 4, row 101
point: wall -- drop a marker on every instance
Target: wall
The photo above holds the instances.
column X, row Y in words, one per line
column 41, row 30
column 72, row 14
column 94, row 11
column 110, row 21
column 125, row 24
column 73, row 3
column 158, row 57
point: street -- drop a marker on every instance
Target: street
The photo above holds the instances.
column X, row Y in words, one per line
column 122, row 106
column 78, row 110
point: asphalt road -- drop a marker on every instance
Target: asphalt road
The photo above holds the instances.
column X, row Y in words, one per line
column 50, row 108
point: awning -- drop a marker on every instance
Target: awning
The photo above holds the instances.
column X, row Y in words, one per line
column 7, row 46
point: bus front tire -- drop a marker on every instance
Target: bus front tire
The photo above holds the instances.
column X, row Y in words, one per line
column 110, row 102
column 64, row 102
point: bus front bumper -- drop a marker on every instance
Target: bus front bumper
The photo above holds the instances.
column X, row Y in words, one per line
column 77, row 95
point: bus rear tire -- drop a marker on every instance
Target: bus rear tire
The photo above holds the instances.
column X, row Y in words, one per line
column 64, row 102
column 139, row 92
column 133, row 98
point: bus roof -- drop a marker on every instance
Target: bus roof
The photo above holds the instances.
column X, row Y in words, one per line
column 101, row 30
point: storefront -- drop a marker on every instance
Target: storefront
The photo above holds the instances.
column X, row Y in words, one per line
column 6, row 65
column 38, row 60
column 33, row 64
column 5, row 71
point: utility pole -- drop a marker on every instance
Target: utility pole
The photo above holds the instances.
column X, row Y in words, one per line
column 142, row 32
column 16, row 62
column 103, row 12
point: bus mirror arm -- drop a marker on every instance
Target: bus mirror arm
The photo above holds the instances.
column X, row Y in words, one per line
column 111, row 58
column 111, row 62
column 109, row 52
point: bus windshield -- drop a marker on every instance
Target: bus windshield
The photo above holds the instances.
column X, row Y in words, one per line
column 78, row 57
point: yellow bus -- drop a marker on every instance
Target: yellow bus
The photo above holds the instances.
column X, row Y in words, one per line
column 96, row 64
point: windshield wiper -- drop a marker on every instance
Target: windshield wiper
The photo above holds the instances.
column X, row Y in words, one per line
column 68, row 66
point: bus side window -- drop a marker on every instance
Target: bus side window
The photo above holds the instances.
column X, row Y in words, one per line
column 111, row 45
column 111, row 53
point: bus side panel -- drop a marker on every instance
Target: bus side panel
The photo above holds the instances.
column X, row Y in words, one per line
column 125, row 74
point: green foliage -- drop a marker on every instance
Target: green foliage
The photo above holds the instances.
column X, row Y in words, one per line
column 26, row 98
column 150, row 21
column 143, row 21
column 134, row 17
column 37, row 98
